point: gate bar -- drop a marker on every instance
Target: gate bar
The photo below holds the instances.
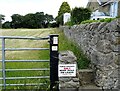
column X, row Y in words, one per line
column 22, row 49
column 32, row 84
column 26, row 60
column 17, row 78
column 40, row 69
column 3, row 62
column 19, row 37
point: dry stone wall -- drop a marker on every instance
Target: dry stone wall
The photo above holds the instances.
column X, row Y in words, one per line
column 99, row 41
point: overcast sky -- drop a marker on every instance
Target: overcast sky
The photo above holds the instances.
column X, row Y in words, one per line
column 22, row 7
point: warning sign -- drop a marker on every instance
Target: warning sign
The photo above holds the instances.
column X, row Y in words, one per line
column 67, row 70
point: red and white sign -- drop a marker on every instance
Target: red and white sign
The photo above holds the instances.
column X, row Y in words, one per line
column 67, row 70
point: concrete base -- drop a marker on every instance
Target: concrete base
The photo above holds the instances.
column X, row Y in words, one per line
column 69, row 89
column 83, row 89
column 88, row 88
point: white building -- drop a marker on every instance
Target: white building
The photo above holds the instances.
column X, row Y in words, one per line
column 111, row 7
column 66, row 17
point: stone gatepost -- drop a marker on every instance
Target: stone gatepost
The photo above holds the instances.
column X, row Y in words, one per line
column 68, row 80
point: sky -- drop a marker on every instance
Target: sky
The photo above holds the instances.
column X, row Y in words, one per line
column 23, row 7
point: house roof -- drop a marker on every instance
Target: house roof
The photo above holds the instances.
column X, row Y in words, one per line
column 101, row 2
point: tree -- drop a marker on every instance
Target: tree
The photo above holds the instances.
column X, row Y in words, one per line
column 59, row 20
column 64, row 8
column 80, row 14
column 17, row 20
column 7, row 24
column 1, row 18
column 31, row 20
column 40, row 19
column 48, row 19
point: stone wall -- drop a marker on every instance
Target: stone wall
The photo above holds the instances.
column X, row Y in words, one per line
column 99, row 41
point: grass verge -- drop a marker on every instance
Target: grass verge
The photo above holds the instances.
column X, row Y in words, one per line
column 66, row 44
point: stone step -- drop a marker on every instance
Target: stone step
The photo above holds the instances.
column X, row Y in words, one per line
column 90, row 88
column 86, row 77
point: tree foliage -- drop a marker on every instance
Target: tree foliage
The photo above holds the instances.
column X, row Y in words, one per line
column 64, row 8
column 2, row 17
column 80, row 14
column 31, row 20
column 17, row 20
column 7, row 24
column 60, row 20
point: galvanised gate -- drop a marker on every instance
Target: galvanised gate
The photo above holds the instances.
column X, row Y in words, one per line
column 53, row 50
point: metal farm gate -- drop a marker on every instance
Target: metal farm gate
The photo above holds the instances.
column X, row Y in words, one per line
column 53, row 50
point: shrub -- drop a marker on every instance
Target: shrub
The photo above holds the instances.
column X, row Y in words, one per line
column 102, row 20
column 6, row 25
column 89, row 21
column 59, row 19
column 53, row 25
column 107, row 20
column 69, row 23
column 118, row 17
column 80, row 14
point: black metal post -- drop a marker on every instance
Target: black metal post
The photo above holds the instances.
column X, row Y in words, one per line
column 54, row 86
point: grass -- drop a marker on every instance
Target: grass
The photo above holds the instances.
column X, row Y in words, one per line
column 28, row 55
column 64, row 44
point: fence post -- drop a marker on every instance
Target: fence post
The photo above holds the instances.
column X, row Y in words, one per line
column 54, row 86
column 3, row 62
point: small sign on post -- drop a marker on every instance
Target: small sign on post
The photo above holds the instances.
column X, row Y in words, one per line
column 55, row 40
column 67, row 70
